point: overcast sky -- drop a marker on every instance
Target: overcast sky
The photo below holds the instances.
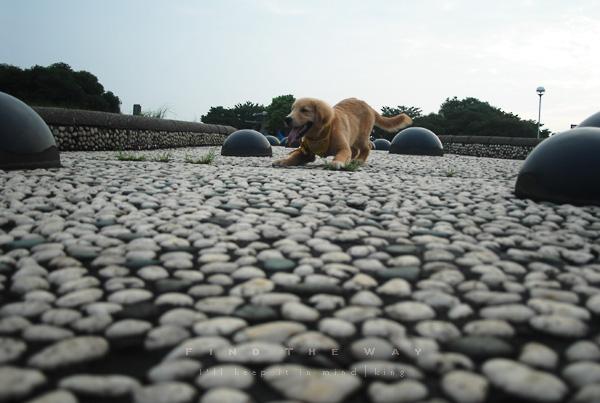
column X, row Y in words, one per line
column 190, row 55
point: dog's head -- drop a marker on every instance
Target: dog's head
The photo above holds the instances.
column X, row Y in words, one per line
column 306, row 114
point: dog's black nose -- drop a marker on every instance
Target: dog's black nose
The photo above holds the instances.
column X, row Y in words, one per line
column 288, row 120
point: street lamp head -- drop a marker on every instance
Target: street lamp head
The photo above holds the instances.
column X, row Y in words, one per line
column 540, row 91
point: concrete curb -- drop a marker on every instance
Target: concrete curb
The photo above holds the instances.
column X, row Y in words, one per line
column 73, row 117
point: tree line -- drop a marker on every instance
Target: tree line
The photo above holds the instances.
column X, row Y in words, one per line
column 466, row 117
column 242, row 116
column 57, row 85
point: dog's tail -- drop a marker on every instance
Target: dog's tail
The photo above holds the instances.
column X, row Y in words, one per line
column 389, row 124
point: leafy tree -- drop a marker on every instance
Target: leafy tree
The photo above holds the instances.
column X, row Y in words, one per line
column 411, row 111
column 220, row 116
column 433, row 122
column 240, row 116
column 245, row 115
column 113, row 101
column 467, row 117
column 472, row 117
column 280, row 107
column 11, row 79
column 59, row 86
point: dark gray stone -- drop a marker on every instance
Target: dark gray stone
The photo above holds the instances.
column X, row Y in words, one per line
column 274, row 141
column 563, row 169
column 246, row 143
column 481, row 347
column 279, row 264
column 254, row 313
column 409, row 273
column 26, row 142
column 416, row 141
column 382, row 144
column 592, row 121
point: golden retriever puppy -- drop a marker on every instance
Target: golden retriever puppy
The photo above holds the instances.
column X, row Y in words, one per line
column 342, row 131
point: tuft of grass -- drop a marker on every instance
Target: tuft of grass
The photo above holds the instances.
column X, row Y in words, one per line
column 206, row 159
column 350, row 165
column 449, row 172
column 163, row 157
column 121, row 156
column 159, row 113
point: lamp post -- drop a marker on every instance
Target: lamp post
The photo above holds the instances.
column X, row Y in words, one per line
column 540, row 91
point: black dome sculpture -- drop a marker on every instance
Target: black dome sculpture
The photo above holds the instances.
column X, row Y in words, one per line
column 274, row 141
column 246, row 143
column 592, row 121
column 416, row 141
column 563, row 169
column 382, row 144
column 25, row 140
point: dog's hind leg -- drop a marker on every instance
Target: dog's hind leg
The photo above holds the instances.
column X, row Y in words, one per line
column 361, row 152
column 364, row 155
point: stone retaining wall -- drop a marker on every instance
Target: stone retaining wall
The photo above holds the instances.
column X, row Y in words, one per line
column 77, row 130
column 491, row 147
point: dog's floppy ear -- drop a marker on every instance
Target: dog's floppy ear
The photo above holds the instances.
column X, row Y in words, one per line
column 323, row 111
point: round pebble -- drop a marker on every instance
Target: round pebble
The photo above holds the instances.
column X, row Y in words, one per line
column 131, row 296
column 127, row 328
column 336, row 327
column 100, row 385
column 582, row 373
column 310, row 384
column 71, row 351
column 410, row 311
column 516, row 313
column 219, row 395
column 80, row 297
column 233, row 376
column 538, row 355
column 165, row 392
column 46, row 333
column 277, row 332
column 438, row 330
column 183, row 317
column 297, row 311
column 174, row 370
column 58, row 396
column 583, row 350
column 18, row 383
column 556, row 325
column 521, row 381
column 10, row 349
column 165, row 336
column 465, row 387
column 408, row 390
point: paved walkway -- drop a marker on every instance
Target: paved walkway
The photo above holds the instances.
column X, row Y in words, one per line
column 413, row 279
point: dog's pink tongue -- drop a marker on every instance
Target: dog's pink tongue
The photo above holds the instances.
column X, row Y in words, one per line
column 293, row 135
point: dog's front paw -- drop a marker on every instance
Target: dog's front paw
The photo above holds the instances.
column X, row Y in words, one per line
column 280, row 163
column 337, row 165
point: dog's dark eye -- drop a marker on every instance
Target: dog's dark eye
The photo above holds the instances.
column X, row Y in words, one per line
column 303, row 110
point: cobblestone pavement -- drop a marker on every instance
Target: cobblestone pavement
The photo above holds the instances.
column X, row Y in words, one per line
column 412, row 279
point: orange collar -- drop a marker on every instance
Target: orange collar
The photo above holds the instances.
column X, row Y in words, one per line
column 318, row 147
